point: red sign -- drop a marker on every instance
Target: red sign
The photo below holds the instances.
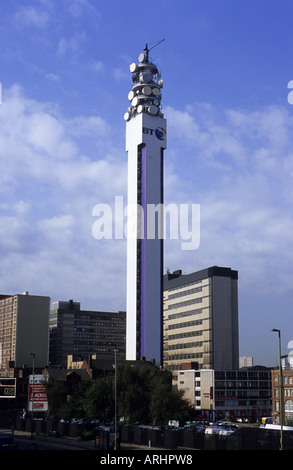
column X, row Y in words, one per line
column 38, row 399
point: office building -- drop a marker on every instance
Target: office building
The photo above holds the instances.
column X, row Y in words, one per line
column 84, row 333
column 145, row 144
column 201, row 319
column 24, row 329
column 243, row 394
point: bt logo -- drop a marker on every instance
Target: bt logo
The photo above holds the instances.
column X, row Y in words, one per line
column 159, row 132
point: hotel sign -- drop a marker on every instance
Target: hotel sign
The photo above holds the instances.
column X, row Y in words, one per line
column 7, row 388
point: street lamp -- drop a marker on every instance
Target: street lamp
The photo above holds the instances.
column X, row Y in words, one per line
column 33, row 390
column 115, row 390
column 280, row 387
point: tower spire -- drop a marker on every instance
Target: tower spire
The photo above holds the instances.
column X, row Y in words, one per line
column 145, row 95
column 146, row 49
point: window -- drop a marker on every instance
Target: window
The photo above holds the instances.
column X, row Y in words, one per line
column 184, row 304
column 186, row 292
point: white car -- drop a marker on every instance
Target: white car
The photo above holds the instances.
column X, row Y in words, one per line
column 227, row 431
column 222, row 429
column 213, row 429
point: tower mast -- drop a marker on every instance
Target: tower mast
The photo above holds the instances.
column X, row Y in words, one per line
column 145, row 144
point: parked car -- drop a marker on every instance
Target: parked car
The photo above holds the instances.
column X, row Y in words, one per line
column 222, row 428
column 212, row 429
column 227, row 430
column 8, row 443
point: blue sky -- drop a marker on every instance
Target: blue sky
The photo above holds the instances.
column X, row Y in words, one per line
column 65, row 78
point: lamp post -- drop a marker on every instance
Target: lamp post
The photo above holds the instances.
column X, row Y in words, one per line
column 115, row 442
column 115, row 395
column 33, row 390
column 280, row 387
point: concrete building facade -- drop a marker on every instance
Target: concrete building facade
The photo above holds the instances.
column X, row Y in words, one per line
column 243, row 394
column 201, row 319
column 84, row 333
column 24, row 329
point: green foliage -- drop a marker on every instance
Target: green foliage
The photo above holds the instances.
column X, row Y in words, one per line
column 144, row 395
column 57, row 399
column 98, row 401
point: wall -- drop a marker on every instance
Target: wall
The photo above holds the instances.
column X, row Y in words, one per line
column 32, row 330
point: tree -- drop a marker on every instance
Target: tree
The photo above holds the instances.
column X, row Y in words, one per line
column 99, row 400
column 57, row 399
column 132, row 393
column 144, row 395
column 166, row 402
column 76, row 402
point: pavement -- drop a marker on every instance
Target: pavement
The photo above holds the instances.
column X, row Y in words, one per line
column 73, row 441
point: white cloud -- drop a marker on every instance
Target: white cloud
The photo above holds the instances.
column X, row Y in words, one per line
column 89, row 126
column 238, row 165
column 225, row 160
column 48, row 189
column 97, row 65
column 77, row 8
column 72, row 45
column 31, row 17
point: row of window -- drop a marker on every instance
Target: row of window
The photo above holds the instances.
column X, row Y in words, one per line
column 243, row 393
column 197, row 344
column 185, row 285
column 109, row 334
column 221, row 374
column 184, row 304
column 185, row 335
column 188, row 313
column 288, row 392
column 185, row 324
column 185, row 292
column 179, row 357
column 243, row 384
column 287, row 380
column 260, row 403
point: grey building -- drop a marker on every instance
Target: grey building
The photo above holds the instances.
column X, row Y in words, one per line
column 83, row 333
column 215, row 394
column 201, row 319
column 24, row 329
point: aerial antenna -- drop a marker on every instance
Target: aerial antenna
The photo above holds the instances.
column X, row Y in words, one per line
column 147, row 50
column 157, row 44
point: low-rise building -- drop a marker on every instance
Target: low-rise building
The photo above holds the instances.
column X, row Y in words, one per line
column 239, row 394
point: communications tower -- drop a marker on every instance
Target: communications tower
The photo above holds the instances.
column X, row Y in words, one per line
column 145, row 144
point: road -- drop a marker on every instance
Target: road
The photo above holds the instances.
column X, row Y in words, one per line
column 41, row 442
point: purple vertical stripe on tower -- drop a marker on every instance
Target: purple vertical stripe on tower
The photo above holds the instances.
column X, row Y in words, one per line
column 143, row 254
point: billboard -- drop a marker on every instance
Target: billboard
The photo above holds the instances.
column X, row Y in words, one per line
column 7, row 388
column 37, row 397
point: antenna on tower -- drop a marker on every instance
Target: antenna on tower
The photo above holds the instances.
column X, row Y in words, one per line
column 147, row 50
column 157, row 44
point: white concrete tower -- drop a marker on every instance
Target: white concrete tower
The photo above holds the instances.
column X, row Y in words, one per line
column 145, row 144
